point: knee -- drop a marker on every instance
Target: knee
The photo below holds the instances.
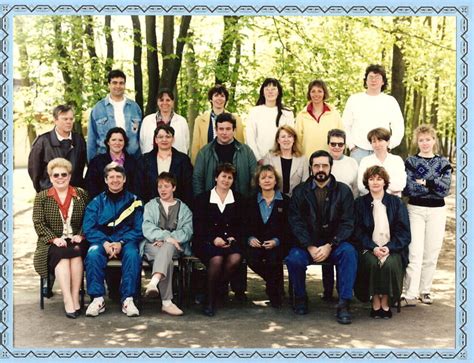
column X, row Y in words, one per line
column 347, row 250
column 94, row 253
column 296, row 257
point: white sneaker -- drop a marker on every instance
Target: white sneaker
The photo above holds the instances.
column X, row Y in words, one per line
column 151, row 290
column 406, row 302
column 129, row 308
column 426, row 299
column 172, row 309
column 95, row 308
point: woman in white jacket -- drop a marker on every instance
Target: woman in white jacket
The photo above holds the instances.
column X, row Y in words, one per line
column 265, row 118
column 164, row 115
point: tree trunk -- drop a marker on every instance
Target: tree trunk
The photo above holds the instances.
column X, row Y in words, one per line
column 172, row 60
column 192, row 74
column 137, row 60
column 229, row 36
column 234, row 77
column 96, row 75
column 109, row 43
column 398, row 87
column 152, row 64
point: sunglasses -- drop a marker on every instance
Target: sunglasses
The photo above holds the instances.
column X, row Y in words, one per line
column 57, row 175
column 338, row 144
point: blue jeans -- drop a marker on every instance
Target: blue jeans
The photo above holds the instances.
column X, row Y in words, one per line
column 358, row 153
column 343, row 256
column 96, row 263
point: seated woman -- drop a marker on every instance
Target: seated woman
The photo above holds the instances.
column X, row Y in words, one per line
column 267, row 228
column 288, row 160
column 382, row 230
column 57, row 218
column 116, row 142
column 217, row 226
column 168, row 228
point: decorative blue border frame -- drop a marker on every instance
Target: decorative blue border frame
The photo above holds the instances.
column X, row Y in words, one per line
column 301, row 7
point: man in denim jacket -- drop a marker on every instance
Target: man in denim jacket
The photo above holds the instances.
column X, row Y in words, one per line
column 114, row 110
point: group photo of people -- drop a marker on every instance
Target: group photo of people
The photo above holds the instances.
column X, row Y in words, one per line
column 286, row 194
column 152, row 202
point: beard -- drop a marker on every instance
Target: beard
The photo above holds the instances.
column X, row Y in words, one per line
column 321, row 176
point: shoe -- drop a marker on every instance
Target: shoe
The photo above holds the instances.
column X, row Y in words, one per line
column 71, row 315
column 343, row 315
column 129, row 308
column 208, row 311
column 240, row 296
column 78, row 312
column 151, row 290
column 301, row 307
column 47, row 293
column 172, row 310
column 426, row 299
column 328, row 298
column 404, row 302
column 95, row 308
column 376, row 314
column 276, row 303
column 386, row 314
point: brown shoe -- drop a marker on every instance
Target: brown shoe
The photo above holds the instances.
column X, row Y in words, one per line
column 172, row 310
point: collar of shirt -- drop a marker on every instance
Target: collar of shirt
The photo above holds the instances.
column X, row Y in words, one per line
column 60, row 138
column 120, row 160
column 116, row 102
column 314, row 185
column 277, row 196
column 266, row 210
column 215, row 199
column 310, row 110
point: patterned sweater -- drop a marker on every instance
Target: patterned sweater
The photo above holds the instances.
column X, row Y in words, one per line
column 437, row 173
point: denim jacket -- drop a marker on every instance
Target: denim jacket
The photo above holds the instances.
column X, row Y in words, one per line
column 102, row 119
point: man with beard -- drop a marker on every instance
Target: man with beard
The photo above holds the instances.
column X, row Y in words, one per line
column 321, row 216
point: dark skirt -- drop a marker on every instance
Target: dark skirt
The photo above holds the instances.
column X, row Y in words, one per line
column 56, row 254
column 207, row 251
column 373, row 279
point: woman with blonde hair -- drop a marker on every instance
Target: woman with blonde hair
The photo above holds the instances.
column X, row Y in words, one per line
column 287, row 159
column 428, row 182
column 57, row 217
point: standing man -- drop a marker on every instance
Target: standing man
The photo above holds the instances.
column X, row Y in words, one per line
column 113, row 226
column 371, row 109
column 321, row 216
column 226, row 149
column 115, row 110
column 60, row 142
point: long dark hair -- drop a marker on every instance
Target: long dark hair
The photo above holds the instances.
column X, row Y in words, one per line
column 261, row 98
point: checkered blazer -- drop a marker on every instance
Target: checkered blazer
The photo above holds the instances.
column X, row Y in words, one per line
column 48, row 224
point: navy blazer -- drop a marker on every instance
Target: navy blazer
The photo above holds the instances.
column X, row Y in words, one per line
column 180, row 167
column 400, row 236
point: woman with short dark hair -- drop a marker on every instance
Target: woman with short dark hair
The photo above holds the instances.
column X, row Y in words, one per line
column 218, row 233
column 116, row 142
column 382, row 230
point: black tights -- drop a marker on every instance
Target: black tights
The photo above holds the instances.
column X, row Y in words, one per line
column 219, row 270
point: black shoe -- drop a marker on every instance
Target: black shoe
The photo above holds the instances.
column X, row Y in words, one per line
column 343, row 315
column 240, row 296
column 386, row 314
column 71, row 315
column 208, row 311
column 47, row 293
column 376, row 314
column 301, row 306
column 328, row 298
column 78, row 312
column 276, row 303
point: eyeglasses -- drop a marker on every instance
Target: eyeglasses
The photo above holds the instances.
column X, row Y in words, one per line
column 57, row 175
column 377, row 77
column 338, row 144
column 161, row 137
